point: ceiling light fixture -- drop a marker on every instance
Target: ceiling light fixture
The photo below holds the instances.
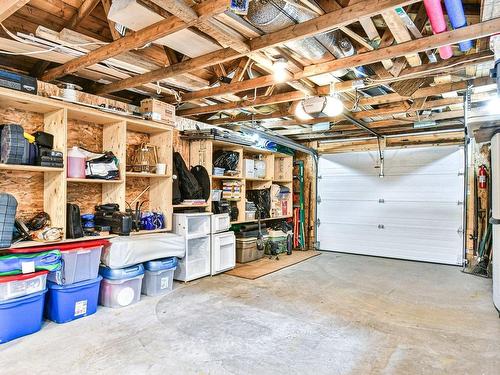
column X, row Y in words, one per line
column 300, row 113
column 279, row 69
column 333, row 104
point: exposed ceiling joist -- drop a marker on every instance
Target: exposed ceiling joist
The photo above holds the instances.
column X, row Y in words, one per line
column 9, row 7
column 85, row 9
column 329, row 21
column 135, row 40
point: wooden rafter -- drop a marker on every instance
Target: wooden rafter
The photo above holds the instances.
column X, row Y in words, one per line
column 85, row 9
column 9, row 7
column 327, row 22
column 134, row 40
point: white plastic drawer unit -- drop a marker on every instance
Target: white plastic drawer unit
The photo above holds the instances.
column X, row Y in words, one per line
column 220, row 223
column 223, row 252
column 196, row 263
column 192, row 225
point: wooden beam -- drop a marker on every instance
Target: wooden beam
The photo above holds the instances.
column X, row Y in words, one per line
column 261, row 100
column 9, row 7
column 400, row 33
column 106, row 4
column 427, row 91
column 476, row 31
column 317, row 25
column 239, row 73
column 85, row 9
column 135, row 40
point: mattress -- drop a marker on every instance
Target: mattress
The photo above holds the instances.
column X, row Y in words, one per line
column 128, row 251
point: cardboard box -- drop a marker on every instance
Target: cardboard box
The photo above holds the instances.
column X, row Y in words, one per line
column 156, row 110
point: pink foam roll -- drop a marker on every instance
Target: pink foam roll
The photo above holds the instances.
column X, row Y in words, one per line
column 438, row 23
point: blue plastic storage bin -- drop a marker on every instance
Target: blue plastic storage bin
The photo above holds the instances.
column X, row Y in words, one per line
column 21, row 316
column 121, row 287
column 159, row 276
column 69, row 302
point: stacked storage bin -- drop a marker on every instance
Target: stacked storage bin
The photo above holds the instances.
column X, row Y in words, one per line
column 74, row 290
column 22, row 290
column 159, row 276
column 223, row 244
column 195, row 228
column 121, row 287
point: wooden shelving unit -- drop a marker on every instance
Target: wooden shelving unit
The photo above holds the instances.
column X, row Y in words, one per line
column 74, row 125
column 279, row 170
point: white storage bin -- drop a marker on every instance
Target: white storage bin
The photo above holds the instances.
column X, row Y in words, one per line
column 191, row 225
column 220, row 223
column 223, row 254
column 121, row 287
column 21, row 285
column 196, row 263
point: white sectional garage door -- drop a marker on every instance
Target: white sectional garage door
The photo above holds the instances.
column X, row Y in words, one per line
column 414, row 212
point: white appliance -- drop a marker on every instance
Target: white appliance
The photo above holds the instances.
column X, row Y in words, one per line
column 495, row 216
column 415, row 211
column 196, row 231
column 223, row 241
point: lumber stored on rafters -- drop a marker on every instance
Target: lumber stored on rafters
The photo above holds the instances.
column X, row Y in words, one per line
column 135, row 40
column 9, row 7
column 329, row 21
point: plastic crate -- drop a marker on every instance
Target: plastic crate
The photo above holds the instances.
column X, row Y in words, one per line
column 21, row 316
column 159, row 276
column 66, row 303
column 223, row 252
column 8, row 207
column 79, row 263
column 220, row 223
column 191, row 225
column 21, row 285
column 121, row 287
column 196, row 262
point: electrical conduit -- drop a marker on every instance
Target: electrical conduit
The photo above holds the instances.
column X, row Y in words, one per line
column 456, row 14
column 436, row 17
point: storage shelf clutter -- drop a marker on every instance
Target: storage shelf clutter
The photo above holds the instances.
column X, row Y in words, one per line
column 67, row 278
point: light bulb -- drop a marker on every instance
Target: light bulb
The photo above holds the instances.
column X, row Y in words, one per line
column 279, row 69
column 333, row 106
column 300, row 113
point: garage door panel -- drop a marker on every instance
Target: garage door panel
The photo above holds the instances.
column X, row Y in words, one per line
column 430, row 247
column 425, row 214
column 414, row 212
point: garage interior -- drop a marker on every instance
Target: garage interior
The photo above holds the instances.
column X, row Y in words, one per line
column 321, row 178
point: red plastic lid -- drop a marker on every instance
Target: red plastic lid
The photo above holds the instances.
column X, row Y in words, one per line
column 26, row 276
column 63, row 246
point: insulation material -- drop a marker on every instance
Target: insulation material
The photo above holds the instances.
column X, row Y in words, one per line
column 128, row 251
column 134, row 16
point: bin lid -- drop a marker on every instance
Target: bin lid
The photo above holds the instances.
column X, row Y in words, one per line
column 161, row 264
column 55, row 286
column 62, row 246
column 122, row 273
column 26, row 276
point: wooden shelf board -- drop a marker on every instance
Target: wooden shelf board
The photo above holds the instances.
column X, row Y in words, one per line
column 149, row 175
column 226, row 178
column 255, row 221
column 29, row 168
column 259, row 179
column 93, row 181
column 147, row 126
column 190, row 205
column 283, row 181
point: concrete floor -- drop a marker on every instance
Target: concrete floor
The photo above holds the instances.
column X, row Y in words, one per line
column 333, row 314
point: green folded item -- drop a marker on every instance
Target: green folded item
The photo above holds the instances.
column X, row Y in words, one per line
column 15, row 264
